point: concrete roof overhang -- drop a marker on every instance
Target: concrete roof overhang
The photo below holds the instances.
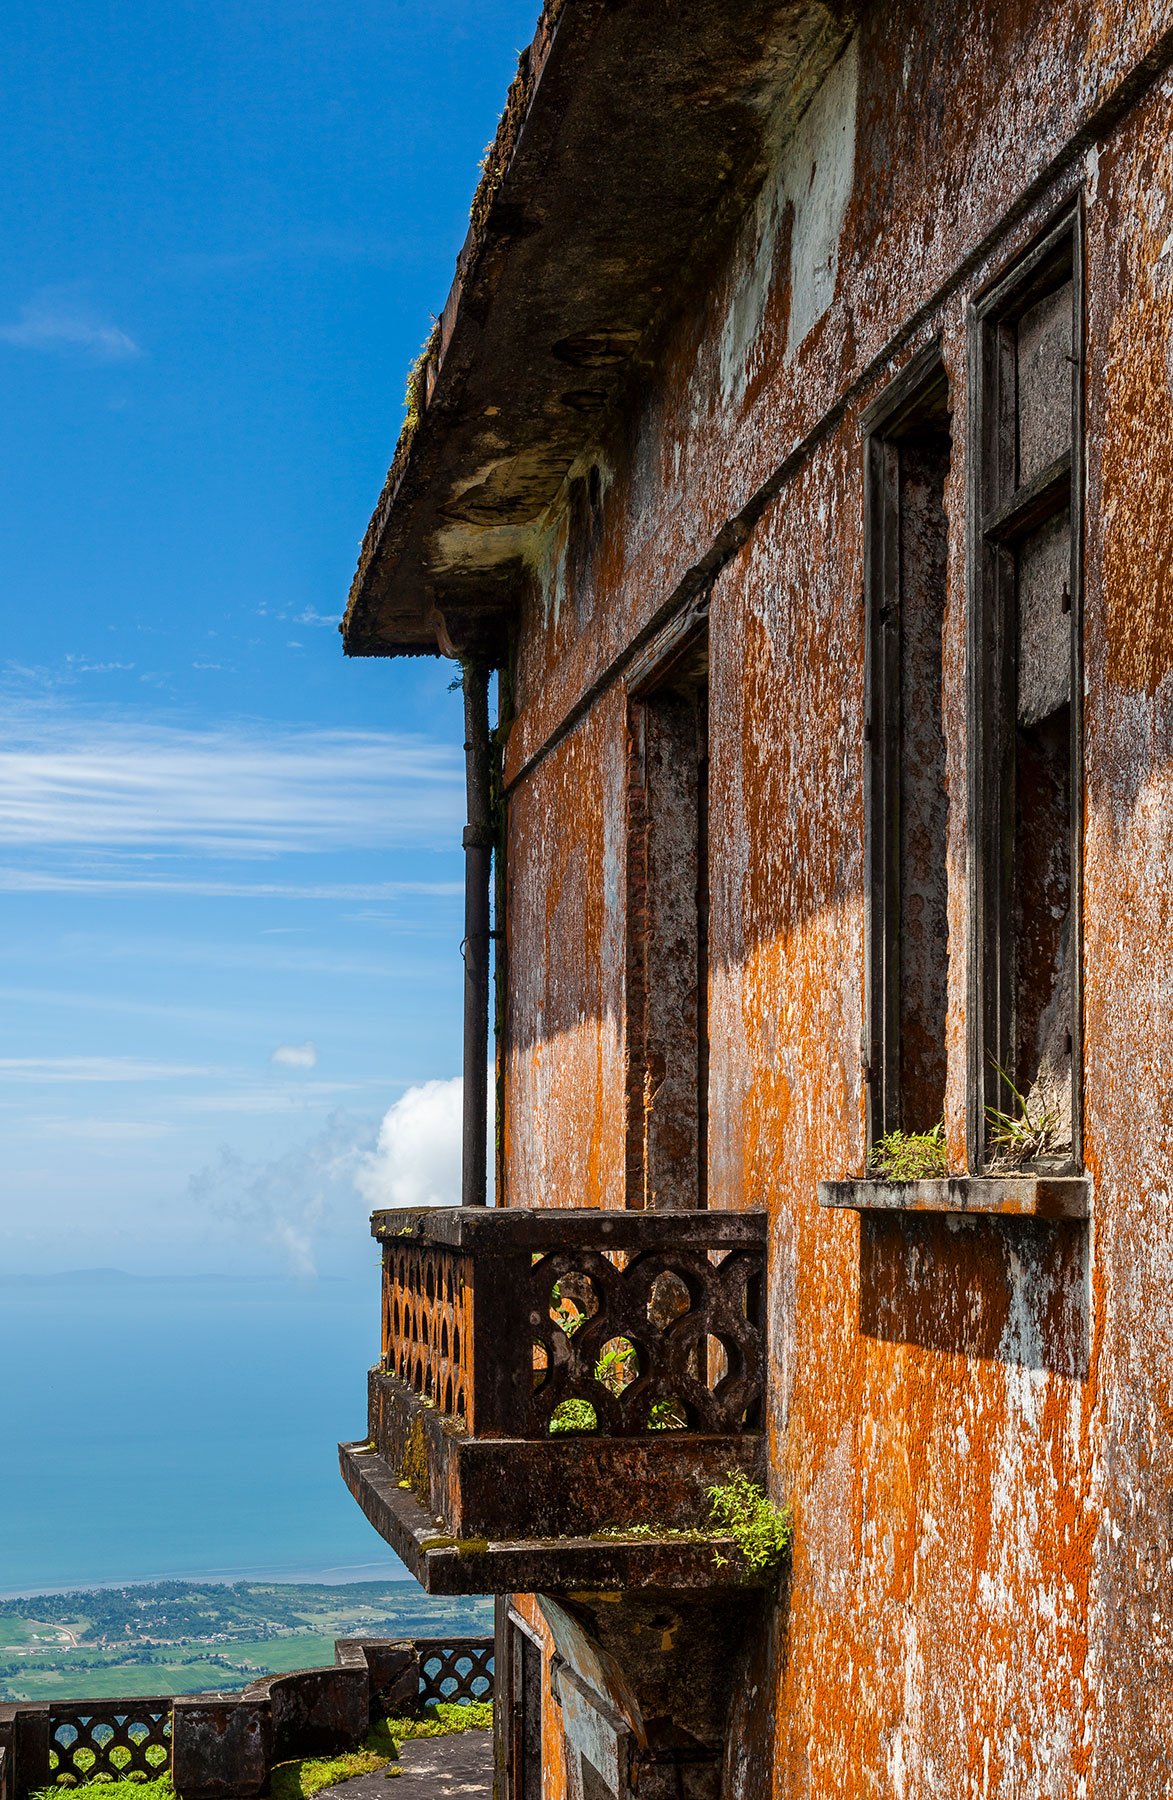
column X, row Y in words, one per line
column 635, row 134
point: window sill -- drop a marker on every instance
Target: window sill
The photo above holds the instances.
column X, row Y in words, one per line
column 1015, row 1196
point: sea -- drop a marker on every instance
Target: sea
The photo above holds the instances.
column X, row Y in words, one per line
column 183, row 1429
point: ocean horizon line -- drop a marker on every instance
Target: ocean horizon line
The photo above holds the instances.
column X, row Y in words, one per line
column 340, row 1575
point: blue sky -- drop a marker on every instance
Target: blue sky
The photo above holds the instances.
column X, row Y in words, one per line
column 228, row 857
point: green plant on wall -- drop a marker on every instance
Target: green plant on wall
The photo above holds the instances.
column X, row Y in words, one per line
column 616, row 1369
column 761, row 1530
column 909, row 1155
column 565, row 1311
column 1034, row 1130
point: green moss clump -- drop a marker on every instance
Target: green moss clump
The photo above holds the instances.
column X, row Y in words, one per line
column 442, row 1718
column 673, row 1534
column 415, row 396
column 299, row 1780
column 573, row 1415
column 136, row 1786
column 413, row 1469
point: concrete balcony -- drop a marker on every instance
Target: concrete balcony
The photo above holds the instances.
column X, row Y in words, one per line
column 558, row 1389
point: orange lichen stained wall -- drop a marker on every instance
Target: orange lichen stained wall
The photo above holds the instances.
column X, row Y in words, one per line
column 565, row 1094
column 1128, row 931
column 972, row 1418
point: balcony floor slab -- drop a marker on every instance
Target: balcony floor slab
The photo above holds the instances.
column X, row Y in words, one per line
column 442, row 1564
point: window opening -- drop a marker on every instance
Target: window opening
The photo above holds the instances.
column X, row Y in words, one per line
column 1027, row 766
column 668, row 933
column 521, row 1704
column 906, row 549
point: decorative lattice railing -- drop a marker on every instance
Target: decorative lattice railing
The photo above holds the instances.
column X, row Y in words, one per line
column 456, row 1670
column 115, row 1738
column 427, row 1324
column 522, row 1324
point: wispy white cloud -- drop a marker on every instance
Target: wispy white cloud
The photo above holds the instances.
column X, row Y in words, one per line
column 241, row 791
column 101, row 1068
column 81, row 665
column 295, row 1202
column 53, row 321
column 104, row 1131
column 259, row 1101
column 48, row 881
column 305, row 1204
column 295, row 1056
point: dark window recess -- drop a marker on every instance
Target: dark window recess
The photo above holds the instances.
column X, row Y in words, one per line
column 668, row 933
column 1027, row 771
column 907, row 533
column 521, row 1702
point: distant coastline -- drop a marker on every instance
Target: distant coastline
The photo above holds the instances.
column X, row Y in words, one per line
column 386, row 1573
column 180, row 1637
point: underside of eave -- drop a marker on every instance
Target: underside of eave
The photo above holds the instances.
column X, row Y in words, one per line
column 632, row 141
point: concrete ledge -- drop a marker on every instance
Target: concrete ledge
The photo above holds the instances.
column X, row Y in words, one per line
column 541, row 1228
column 1013, row 1196
column 445, row 1564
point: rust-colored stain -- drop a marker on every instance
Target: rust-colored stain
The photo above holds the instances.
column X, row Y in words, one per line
column 972, row 1417
column 982, row 1488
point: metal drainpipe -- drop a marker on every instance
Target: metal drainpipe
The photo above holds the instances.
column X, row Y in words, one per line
column 478, row 859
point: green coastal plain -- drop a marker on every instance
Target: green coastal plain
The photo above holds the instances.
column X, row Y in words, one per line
column 181, row 1637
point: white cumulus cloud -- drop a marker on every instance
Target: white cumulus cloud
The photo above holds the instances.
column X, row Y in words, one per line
column 296, row 1056
column 416, row 1161
column 304, row 1205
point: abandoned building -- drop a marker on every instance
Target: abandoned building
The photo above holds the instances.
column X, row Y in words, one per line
column 791, row 466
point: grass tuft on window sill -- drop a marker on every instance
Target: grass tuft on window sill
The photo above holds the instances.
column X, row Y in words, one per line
column 909, row 1155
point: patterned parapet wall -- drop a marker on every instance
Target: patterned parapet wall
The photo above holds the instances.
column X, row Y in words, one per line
column 224, row 1744
column 651, row 1320
column 110, row 1737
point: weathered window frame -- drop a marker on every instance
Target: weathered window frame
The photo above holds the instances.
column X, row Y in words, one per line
column 917, row 398
column 997, row 521
column 515, row 1643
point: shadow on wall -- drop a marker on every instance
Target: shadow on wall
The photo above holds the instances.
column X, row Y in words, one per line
column 1011, row 1290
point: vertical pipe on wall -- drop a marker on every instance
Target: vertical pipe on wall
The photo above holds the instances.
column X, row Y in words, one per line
column 478, row 855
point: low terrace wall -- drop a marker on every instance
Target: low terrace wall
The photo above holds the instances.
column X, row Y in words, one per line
column 218, row 1745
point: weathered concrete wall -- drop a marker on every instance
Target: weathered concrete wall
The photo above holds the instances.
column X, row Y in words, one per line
column 972, row 1418
column 317, row 1711
column 221, row 1746
column 24, row 1741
